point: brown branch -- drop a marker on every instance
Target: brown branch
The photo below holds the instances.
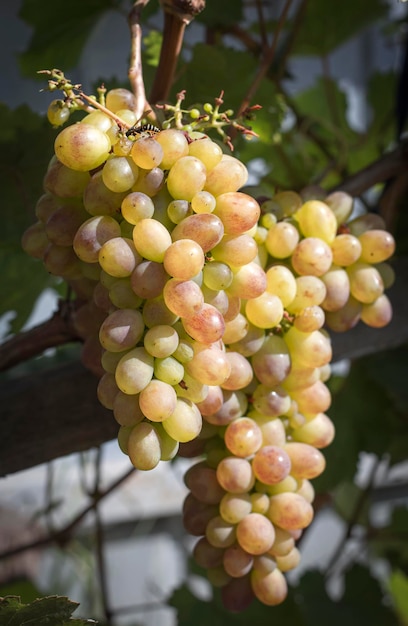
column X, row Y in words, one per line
column 135, row 72
column 266, row 62
column 177, row 15
column 387, row 166
column 56, row 331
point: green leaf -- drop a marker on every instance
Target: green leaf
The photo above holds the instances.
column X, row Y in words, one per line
column 324, row 29
column 361, row 603
column 152, row 45
column 60, row 32
column 398, row 586
column 221, row 13
column 55, row 610
column 22, row 588
column 26, row 141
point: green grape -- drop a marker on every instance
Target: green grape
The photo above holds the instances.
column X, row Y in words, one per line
column 185, row 423
column 82, row 147
column 144, row 446
column 186, row 177
column 57, row 112
column 134, row 371
column 255, row 533
column 119, row 174
column 151, row 239
column 118, row 257
column 121, row 330
column 157, row 400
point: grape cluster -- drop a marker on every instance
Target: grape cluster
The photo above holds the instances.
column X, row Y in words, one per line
column 204, row 316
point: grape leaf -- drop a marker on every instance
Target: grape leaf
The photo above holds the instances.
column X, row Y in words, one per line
column 361, row 603
column 324, row 29
column 221, row 13
column 55, row 610
column 25, row 149
column 59, row 32
column 398, row 586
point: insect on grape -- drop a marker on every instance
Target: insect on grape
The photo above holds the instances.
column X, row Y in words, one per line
column 146, row 130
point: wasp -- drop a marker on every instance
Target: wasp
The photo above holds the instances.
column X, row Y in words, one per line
column 146, row 130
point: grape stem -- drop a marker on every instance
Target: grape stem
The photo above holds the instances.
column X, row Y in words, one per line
column 135, row 72
column 177, row 15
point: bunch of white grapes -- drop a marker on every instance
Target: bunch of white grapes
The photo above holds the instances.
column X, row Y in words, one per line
column 203, row 314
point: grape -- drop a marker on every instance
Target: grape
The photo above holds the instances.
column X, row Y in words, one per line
column 235, row 251
column 201, row 480
column 228, row 175
column 174, row 146
column 144, row 446
column 205, row 229
column 236, row 329
column 309, row 350
column 168, row 369
column 209, row 366
column 316, row 219
column 137, row 206
column 121, row 330
column 288, row 201
column 243, row 437
column 260, row 502
column 34, row 240
column 315, row 398
column 149, row 182
column 234, row 507
column 45, row 207
column 241, row 373
column 281, row 282
column 337, row 285
column 186, row 177
column 217, row 275
column 289, row 561
column 183, row 297
column 64, row 182
column 219, row 299
column 271, row 464
column 98, row 119
column 365, row 222
column 251, row 343
column 134, row 371
column 282, row 545
column 378, row 313
column 119, row 173
column 57, row 113
column 341, row 204
column 310, row 319
column 185, row 423
column 237, row 594
column 147, row 153
column 91, row 236
column 126, row 409
column 60, row 260
column 207, row 151
column 366, row 284
column 306, row 461
column 191, row 389
column 376, row 246
column 196, row 515
column 265, row 311
column 206, row 555
column 306, row 490
column 237, row 562
column 212, row 402
column 148, row 279
column 107, row 390
column 249, row 281
column 346, row 249
column 82, row 147
column 237, row 211
column 270, row 589
column 290, row 511
column 310, row 291
column 203, row 202
column 151, row 239
column 183, row 259
column 233, row 406
column 235, row 475
column 99, row 200
column 120, row 98
column 273, row 430
column 281, row 240
column 161, row 341
column 119, row 257
column 312, row 256
column 255, row 533
column 157, row 400
column 346, row 317
column 220, row 533
column 205, row 326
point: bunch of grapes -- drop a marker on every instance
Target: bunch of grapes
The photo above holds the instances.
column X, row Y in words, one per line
column 204, row 315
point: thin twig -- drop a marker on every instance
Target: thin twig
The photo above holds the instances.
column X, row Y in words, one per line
column 266, row 62
column 355, row 515
column 135, row 72
column 261, row 23
column 62, row 536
